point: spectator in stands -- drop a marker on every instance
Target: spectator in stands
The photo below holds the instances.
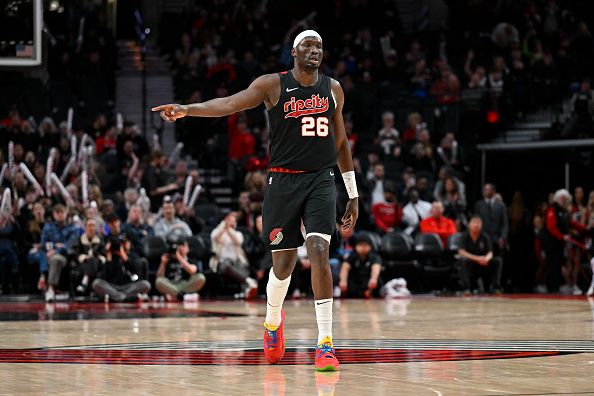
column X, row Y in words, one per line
column 177, row 277
column 246, row 217
column 117, row 280
column 438, row 224
column 444, row 173
column 421, row 153
column 477, row 259
column 413, row 124
column 54, row 239
column 230, row 259
column 387, row 215
column 32, row 239
column 88, row 251
column 388, row 136
column 157, row 181
column 360, row 272
column 9, row 231
column 414, row 212
column 493, row 214
column 168, row 222
column 453, row 202
column 582, row 106
column 376, row 185
column 130, row 199
column 448, row 152
column 136, row 229
column 558, row 229
column 447, row 87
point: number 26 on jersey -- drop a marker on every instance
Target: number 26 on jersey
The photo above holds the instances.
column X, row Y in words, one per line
column 311, row 126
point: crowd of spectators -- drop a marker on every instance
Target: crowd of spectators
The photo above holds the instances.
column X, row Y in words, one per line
column 415, row 106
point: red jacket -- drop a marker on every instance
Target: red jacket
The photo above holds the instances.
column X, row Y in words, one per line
column 241, row 143
column 387, row 215
column 553, row 226
column 441, row 226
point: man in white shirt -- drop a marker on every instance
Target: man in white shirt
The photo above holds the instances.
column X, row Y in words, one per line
column 414, row 211
column 168, row 222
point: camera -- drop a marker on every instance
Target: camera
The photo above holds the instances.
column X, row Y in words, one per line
column 117, row 241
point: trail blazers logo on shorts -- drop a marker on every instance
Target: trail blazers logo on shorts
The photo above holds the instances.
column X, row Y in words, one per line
column 276, row 236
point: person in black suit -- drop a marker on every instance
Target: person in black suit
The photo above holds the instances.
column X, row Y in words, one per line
column 493, row 213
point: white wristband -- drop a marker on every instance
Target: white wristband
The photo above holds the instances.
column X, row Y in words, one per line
column 350, row 183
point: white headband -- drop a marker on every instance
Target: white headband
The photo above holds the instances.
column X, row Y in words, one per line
column 304, row 34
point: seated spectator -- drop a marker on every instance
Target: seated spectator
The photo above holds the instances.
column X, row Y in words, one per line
column 448, row 152
column 376, row 185
column 186, row 214
column 89, row 254
column 32, row 239
column 117, row 280
column 476, row 259
column 54, row 237
column 444, row 173
column 230, row 259
column 387, row 215
column 246, row 217
column 414, row 212
column 388, row 136
column 116, row 235
column 454, row 203
column 130, row 199
column 360, row 272
column 421, row 156
column 176, row 276
column 168, row 222
column 136, row 228
column 9, row 262
column 438, row 224
column 413, row 124
column 447, row 87
column 157, row 181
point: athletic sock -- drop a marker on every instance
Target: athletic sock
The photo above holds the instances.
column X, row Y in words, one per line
column 324, row 318
column 276, row 290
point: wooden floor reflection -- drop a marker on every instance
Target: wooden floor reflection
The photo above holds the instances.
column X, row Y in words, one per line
column 423, row 346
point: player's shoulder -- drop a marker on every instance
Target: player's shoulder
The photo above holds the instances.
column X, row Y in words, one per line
column 335, row 86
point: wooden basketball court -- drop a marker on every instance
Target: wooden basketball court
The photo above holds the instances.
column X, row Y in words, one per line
column 424, row 346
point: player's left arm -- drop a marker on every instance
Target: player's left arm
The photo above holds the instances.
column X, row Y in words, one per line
column 344, row 159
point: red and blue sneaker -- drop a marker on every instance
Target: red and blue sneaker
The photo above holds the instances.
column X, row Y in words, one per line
column 325, row 357
column 274, row 341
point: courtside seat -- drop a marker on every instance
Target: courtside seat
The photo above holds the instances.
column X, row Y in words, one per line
column 398, row 255
column 375, row 239
column 436, row 269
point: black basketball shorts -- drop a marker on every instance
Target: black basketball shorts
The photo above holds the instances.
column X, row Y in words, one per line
column 292, row 197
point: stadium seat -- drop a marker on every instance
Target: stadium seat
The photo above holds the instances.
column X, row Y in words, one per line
column 398, row 255
column 397, row 246
column 436, row 269
column 153, row 248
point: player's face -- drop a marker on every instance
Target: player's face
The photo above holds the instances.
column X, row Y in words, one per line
column 309, row 52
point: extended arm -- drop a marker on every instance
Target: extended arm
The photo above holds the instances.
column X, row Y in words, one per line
column 252, row 96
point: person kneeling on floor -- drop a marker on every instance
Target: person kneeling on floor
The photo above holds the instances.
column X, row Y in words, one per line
column 177, row 277
column 117, row 281
column 360, row 272
column 476, row 259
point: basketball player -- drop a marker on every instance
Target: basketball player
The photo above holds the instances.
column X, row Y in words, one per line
column 307, row 139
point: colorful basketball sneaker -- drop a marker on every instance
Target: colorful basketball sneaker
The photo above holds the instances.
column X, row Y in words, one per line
column 325, row 357
column 274, row 341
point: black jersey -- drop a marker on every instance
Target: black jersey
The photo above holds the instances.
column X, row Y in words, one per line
column 300, row 135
